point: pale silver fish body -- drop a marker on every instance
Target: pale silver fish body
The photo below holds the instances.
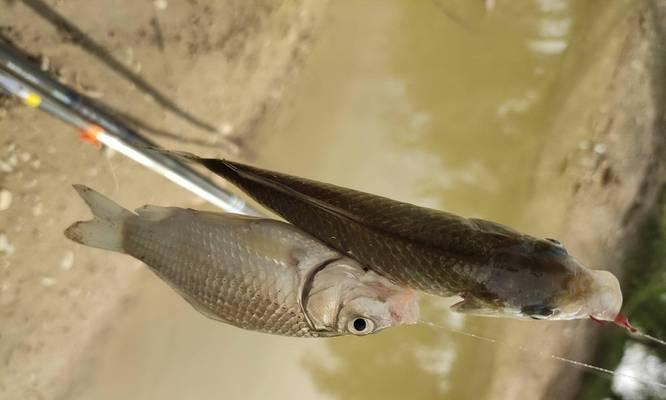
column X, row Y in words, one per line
column 253, row 273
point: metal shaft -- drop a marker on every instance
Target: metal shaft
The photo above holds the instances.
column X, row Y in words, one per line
column 37, row 89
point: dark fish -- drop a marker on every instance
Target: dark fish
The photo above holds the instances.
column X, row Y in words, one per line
column 497, row 270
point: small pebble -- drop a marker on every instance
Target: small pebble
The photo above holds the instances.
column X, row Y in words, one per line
column 600, row 148
column 47, row 281
column 5, row 199
column 5, row 246
column 160, row 5
column 38, row 209
column 5, row 167
column 226, row 128
column 45, row 63
column 36, row 164
column 25, row 157
column 67, row 261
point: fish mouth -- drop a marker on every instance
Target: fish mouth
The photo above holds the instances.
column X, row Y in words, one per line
column 620, row 320
column 603, row 299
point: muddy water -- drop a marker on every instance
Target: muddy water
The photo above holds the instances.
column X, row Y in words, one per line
column 438, row 105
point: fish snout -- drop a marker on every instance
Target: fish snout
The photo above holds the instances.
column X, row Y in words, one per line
column 602, row 297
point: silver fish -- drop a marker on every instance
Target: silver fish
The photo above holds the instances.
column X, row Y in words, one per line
column 253, row 273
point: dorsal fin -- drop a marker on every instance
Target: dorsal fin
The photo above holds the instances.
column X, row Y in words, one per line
column 405, row 221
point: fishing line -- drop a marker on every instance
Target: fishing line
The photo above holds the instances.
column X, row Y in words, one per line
column 113, row 172
column 579, row 364
column 650, row 337
column 624, row 323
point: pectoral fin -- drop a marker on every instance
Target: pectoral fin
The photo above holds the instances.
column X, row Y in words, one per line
column 473, row 306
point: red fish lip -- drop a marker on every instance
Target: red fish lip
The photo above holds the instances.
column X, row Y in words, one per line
column 619, row 320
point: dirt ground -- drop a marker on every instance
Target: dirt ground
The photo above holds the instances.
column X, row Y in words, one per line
column 229, row 60
column 232, row 61
column 612, row 159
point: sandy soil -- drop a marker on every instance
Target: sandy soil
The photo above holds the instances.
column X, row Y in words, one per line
column 228, row 60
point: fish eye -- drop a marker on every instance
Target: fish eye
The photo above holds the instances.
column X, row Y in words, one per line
column 538, row 311
column 360, row 326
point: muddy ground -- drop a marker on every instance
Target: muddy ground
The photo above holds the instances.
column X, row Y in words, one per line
column 228, row 60
column 234, row 69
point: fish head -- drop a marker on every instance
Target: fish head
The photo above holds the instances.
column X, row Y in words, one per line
column 592, row 294
column 540, row 280
column 349, row 300
column 585, row 294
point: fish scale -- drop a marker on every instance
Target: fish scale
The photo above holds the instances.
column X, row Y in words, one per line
column 191, row 271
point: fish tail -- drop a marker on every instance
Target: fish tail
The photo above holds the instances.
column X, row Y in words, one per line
column 105, row 230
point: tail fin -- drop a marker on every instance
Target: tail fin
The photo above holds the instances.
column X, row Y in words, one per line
column 105, row 230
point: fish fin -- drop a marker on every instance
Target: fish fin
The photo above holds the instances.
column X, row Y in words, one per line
column 105, row 230
column 154, row 213
column 471, row 306
column 235, row 173
column 493, row 233
column 411, row 224
column 494, row 229
column 224, row 167
column 180, row 155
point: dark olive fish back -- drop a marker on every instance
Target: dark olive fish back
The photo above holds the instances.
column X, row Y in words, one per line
column 420, row 247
